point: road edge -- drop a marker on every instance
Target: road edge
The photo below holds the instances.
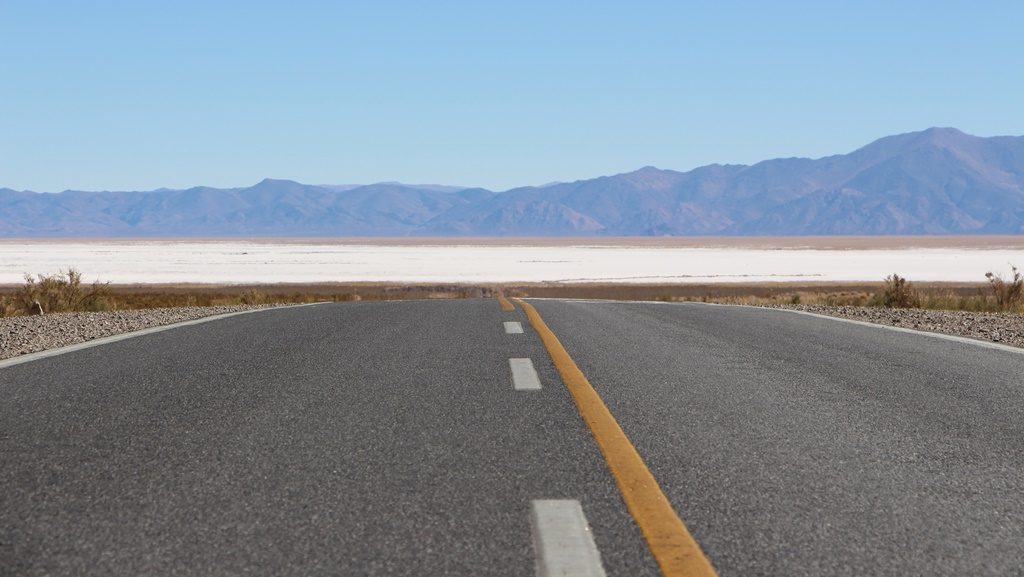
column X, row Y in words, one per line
column 39, row 355
column 937, row 335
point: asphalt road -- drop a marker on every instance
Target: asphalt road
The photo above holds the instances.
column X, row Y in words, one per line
column 388, row 439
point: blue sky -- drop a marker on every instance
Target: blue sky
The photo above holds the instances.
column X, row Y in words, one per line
column 137, row 95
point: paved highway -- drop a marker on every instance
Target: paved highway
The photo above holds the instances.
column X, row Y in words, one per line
column 411, row 438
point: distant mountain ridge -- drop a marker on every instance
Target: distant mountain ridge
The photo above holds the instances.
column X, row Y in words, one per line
column 937, row 181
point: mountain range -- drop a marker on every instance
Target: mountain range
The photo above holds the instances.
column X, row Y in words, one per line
column 937, row 181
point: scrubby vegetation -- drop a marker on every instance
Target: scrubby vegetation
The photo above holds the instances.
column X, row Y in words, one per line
column 7, row 306
column 65, row 292
column 1007, row 294
column 60, row 292
column 894, row 291
column 899, row 293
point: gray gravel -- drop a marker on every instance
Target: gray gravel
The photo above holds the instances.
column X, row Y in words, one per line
column 1004, row 328
column 23, row 335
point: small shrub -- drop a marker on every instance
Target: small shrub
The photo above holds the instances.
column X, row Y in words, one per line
column 1008, row 294
column 795, row 299
column 62, row 292
column 899, row 293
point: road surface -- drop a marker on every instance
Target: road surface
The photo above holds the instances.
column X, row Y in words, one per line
column 411, row 438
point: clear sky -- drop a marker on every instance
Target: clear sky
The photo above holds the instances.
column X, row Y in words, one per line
column 137, row 95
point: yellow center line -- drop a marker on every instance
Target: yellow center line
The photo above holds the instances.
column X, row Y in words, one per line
column 675, row 550
column 505, row 304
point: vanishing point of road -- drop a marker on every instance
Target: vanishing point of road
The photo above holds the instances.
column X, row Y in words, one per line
column 555, row 438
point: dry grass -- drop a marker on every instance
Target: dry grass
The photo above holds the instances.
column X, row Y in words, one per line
column 945, row 296
column 1007, row 293
column 939, row 296
column 60, row 292
column 121, row 297
column 899, row 293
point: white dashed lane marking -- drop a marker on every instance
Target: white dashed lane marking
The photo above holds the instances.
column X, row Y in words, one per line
column 524, row 376
column 562, row 540
column 513, row 328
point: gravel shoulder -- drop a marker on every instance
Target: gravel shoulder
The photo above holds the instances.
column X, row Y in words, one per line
column 30, row 334
column 1003, row 328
